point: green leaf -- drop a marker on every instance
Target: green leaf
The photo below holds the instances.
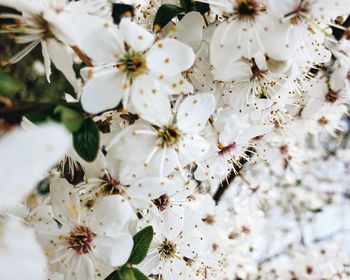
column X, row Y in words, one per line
column 9, row 85
column 201, row 7
column 142, row 241
column 69, row 117
column 123, row 273
column 41, row 115
column 139, row 275
column 165, row 14
column 186, row 4
column 86, row 140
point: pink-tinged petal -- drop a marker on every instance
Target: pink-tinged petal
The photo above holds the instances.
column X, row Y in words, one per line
column 65, row 201
column 194, row 112
column 170, row 57
column 103, row 91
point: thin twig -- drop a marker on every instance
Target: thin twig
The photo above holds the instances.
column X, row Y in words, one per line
column 82, row 56
column 224, row 185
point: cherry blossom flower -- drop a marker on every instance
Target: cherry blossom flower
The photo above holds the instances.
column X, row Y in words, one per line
column 136, row 70
column 75, row 241
column 171, row 142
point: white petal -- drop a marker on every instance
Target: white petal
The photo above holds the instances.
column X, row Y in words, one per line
column 22, row 6
column 230, row 131
column 235, row 71
column 62, row 60
column 65, row 201
column 223, row 45
column 113, row 251
column 98, row 38
column 79, row 267
column 103, row 91
column 19, row 246
column 194, row 112
column 60, row 24
column 193, row 148
column 47, row 60
column 253, row 132
column 338, row 78
column 170, row 57
column 21, row 167
column 260, row 61
column 146, row 189
column 150, row 101
column 134, row 147
column 189, row 30
column 136, row 36
column 175, row 85
column 129, row 172
column 111, row 215
column 162, row 163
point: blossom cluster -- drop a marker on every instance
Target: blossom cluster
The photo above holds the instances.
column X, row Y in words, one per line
column 197, row 140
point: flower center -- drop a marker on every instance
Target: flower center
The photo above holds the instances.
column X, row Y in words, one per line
column 133, row 64
column 41, row 23
column 110, row 187
column 248, row 9
column 162, row 202
column 167, row 249
column 80, row 239
column 168, row 136
column 34, row 25
column 226, row 149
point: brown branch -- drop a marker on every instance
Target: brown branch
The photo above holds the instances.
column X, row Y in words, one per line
column 82, row 56
column 15, row 113
column 225, row 184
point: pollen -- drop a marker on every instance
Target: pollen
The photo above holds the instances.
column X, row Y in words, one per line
column 168, row 136
column 133, row 64
column 80, row 239
column 167, row 250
